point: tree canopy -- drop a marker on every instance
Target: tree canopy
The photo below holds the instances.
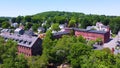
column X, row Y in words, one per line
column 72, row 19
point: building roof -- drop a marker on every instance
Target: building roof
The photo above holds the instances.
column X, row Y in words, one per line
column 29, row 32
column 61, row 26
column 119, row 33
column 22, row 40
column 41, row 28
column 5, row 30
column 91, row 31
column 18, row 29
column 60, row 33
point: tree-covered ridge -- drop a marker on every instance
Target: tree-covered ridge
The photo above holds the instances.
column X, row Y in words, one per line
column 73, row 19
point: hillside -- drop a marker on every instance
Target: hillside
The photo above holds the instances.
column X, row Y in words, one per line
column 62, row 17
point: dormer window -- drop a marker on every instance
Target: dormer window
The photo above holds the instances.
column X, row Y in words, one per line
column 20, row 41
column 24, row 42
column 30, row 43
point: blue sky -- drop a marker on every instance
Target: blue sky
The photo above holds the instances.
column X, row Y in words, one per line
column 29, row 7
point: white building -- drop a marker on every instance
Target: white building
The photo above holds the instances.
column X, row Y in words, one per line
column 119, row 36
column 41, row 29
column 14, row 25
column 99, row 26
column 19, row 31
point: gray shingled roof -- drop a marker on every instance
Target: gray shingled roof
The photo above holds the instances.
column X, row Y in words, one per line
column 29, row 32
column 60, row 33
column 92, row 31
column 23, row 40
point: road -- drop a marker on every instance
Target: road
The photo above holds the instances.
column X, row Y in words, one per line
column 112, row 43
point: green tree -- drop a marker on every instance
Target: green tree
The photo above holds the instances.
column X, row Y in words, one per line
column 72, row 23
column 61, row 50
column 21, row 62
column 99, row 40
column 115, row 25
column 2, row 49
column 19, row 19
column 81, row 39
column 79, row 52
column 28, row 25
column 90, row 42
column 28, row 18
column 55, row 27
column 5, row 24
column 35, row 27
column 9, row 55
column 13, row 20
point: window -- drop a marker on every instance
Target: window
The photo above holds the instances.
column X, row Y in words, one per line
column 24, row 42
column 20, row 41
column 17, row 40
column 30, row 43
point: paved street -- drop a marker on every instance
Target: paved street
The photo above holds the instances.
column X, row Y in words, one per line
column 111, row 44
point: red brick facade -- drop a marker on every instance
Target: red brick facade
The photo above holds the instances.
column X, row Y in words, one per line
column 24, row 50
column 93, row 36
column 27, row 45
column 36, row 49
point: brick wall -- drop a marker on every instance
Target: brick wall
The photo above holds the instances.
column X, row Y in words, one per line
column 92, row 36
column 24, row 50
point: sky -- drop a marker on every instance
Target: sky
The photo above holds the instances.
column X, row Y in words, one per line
column 15, row 8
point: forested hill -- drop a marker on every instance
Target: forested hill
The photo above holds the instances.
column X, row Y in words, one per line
column 62, row 17
column 83, row 19
column 69, row 17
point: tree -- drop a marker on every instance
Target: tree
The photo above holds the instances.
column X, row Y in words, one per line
column 55, row 27
column 61, row 50
column 2, row 49
column 91, row 42
column 28, row 18
column 115, row 25
column 35, row 27
column 38, row 61
column 81, row 39
column 79, row 52
column 21, row 62
column 99, row 40
column 9, row 55
column 28, row 25
column 19, row 19
column 72, row 23
column 5, row 24
column 13, row 20
column 117, row 61
column 85, row 22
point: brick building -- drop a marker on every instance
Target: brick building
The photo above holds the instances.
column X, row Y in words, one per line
column 91, row 34
column 27, row 45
